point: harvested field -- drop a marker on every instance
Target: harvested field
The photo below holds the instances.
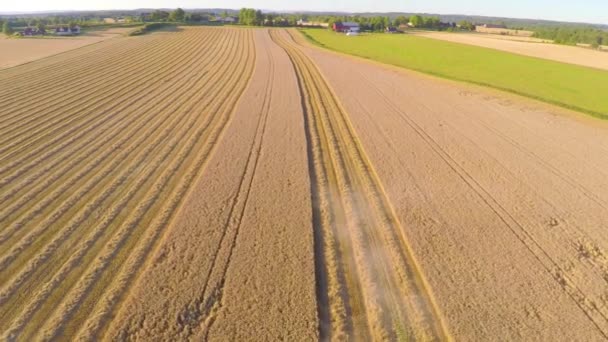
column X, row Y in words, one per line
column 531, row 47
column 237, row 184
column 24, row 50
column 92, row 171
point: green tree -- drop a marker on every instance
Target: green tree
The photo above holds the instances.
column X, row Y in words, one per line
column 466, row 25
column 259, row 18
column 432, row 22
column 417, row 21
column 159, row 15
column 269, row 20
column 247, row 16
column 177, row 15
column 7, row 29
column 401, row 20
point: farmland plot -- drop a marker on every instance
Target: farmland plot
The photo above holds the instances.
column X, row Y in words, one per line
column 95, row 163
column 234, row 184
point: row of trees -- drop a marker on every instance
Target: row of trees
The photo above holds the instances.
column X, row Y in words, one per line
column 176, row 15
column 573, row 35
column 379, row 23
column 251, row 17
column 7, row 28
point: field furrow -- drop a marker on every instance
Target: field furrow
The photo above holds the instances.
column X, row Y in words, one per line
column 87, row 188
column 71, row 109
column 86, row 200
column 95, row 142
column 68, row 113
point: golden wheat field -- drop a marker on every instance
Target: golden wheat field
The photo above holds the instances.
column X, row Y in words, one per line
column 240, row 184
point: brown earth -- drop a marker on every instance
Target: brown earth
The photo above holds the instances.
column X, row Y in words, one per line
column 233, row 184
column 24, row 50
column 533, row 48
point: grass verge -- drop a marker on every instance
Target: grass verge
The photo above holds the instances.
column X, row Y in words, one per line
column 571, row 86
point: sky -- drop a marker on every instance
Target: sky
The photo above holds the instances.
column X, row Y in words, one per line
column 593, row 11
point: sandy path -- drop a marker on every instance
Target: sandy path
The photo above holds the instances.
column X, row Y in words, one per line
column 239, row 260
column 505, row 217
column 560, row 53
column 19, row 51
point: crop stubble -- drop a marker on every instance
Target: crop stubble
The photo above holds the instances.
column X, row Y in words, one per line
column 72, row 247
column 211, row 184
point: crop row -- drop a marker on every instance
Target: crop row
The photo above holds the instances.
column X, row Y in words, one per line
column 87, row 204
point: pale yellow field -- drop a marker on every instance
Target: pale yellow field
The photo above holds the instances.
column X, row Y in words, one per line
column 231, row 184
column 527, row 46
column 23, row 50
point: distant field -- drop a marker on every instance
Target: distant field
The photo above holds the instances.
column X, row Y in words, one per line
column 567, row 85
column 527, row 46
column 24, row 50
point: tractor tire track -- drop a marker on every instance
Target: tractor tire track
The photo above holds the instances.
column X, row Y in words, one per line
column 376, row 237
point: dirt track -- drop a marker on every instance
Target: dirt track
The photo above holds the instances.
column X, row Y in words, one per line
column 239, row 184
column 560, row 53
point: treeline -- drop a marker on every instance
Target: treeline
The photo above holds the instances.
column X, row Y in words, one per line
column 253, row 17
column 573, row 36
column 89, row 20
column 177, row 15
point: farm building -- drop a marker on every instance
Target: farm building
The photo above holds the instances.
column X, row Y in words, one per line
column 391, row 29
column 67, row 31
column 346, row 27
column 32, row 31
column 227, row 20
column 305, row 23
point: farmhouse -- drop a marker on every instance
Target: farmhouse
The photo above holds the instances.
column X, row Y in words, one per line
column 32, row 31
column 391, row 29
column 67, row 31
column 346, row 27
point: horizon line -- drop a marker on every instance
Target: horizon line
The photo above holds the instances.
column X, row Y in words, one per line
column 295, row 12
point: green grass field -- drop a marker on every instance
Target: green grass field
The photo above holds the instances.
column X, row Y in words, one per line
column 575, row 87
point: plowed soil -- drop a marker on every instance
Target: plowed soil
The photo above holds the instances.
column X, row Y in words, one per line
column 233, row 184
